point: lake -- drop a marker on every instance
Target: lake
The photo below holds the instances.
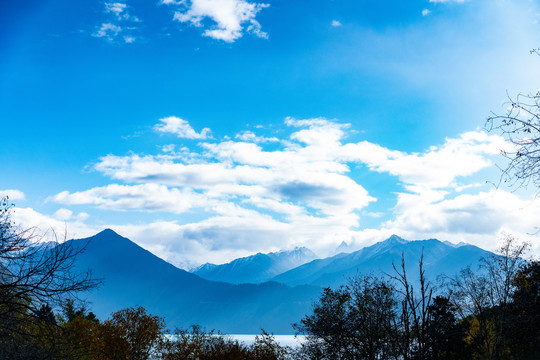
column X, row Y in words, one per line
column 283, row 340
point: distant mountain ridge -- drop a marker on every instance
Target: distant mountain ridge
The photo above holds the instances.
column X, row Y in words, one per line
column 438, row 258
column 257, row 268
column 134, row 276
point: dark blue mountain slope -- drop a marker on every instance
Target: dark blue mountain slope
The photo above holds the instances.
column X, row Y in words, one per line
column 133, row 276
column 257, row 268
column 439, row 259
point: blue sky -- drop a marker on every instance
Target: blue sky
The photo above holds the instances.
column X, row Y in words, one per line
column 210, row 129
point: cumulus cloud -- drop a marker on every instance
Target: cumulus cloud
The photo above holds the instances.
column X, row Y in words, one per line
column 146, row 197
column 63, row 214
column 336, row 23
column 108, row 31
column 250, row 136
column 478, row 218
column 181, row 128
column 264, row 193
column 50, row 228
column 426, row 12
column 438, row 167
column 229, row 17
column 12, row 194
column 117, row 9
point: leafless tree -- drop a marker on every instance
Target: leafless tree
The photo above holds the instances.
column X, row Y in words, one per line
column 34, row 273
column 520, row 125
column 413, row 321
column 491, row 286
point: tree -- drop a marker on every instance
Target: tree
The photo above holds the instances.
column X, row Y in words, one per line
column 34, row 275
column 524, row 325
column 445, row 333
column 265, row 347
column 80, row 332
column 485, row 296
column 521, row 126
column 131, row 334
column 352, row 322
column 412, row 322
column 197, row 343
column 373, row 318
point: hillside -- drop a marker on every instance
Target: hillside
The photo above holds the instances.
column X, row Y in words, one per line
column 257, row 268
column 439, row 258
column 133, row 276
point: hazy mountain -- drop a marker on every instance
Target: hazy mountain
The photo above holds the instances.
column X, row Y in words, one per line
column 257, row 268
column 133, row 276
column 439, row 258
column 342, row 248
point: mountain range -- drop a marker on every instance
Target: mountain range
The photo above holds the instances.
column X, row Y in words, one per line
column 438, row 259
column 257, row 268
column 134, row 276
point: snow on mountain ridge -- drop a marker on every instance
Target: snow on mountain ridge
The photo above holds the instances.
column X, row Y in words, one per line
column 256, row 268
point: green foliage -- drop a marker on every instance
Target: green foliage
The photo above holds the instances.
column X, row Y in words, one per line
column 523, row 330
column 131, row 334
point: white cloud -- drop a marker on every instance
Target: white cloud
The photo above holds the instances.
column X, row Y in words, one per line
column 426, row 12
column 252, row 195
column 120, row 24
column 181, row 128
column 12, row 194
column 229, row 17
column 438, row 167
column 63, row 214
column 303, row 172
column 250, row 136
column 146, row 197
column 108, row 31
column 116, row 8
column 169, row 148
column 173, row 2
column 49, row 228
column 82, row 216
column 473, row 218
column 336, row 23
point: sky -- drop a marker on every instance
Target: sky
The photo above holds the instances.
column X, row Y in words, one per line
column 206, row 130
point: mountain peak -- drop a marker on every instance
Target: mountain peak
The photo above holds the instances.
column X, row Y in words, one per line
column 296, row 250
column 343, row 247
column 108, row 233
column 396, row 239
column 256, row 268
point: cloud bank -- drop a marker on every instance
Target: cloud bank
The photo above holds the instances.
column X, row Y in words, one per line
column 264, row 193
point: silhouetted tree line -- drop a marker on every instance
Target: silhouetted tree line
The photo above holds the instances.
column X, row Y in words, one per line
column 489, row 313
